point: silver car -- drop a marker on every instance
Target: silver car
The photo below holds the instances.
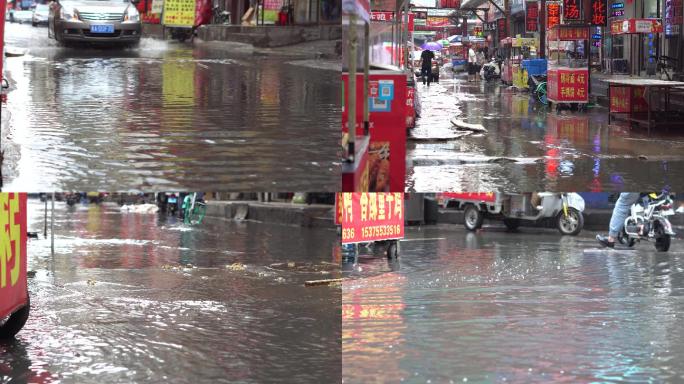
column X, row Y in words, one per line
column 40, row 14
column 97, row 21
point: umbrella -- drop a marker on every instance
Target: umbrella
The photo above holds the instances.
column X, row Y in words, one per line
column 432, row 46
column 454, row 38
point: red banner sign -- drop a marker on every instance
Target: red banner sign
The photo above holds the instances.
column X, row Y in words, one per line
column 480, row 197
column 438, row 21
column 501, row 28
column 531, row 15
column 566, row 33
column 13, row 291
column 572, row 9
column 627, row 26
column 628, row 99
column 553, row 14
column 599, row 13
column 371, row 216
column 568, row 85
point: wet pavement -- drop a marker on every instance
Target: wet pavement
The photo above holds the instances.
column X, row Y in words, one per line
column 518, row 307
column 530, row 147
column 167, row 116
column 136, row 297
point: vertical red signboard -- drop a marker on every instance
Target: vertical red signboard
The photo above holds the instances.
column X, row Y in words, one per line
column 599, row 13
column 387, row 95
column 501, row 28
column 368, row 216
column 568, row 85
column 13, row 292
column 531, row 14
column 553, row 13
column 572, row 9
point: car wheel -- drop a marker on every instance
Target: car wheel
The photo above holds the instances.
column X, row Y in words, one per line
column 15, row 322
column 34, row 24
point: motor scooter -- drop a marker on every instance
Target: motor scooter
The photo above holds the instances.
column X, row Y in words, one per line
column 564, row 210
column 491, row 70
column 648, row 220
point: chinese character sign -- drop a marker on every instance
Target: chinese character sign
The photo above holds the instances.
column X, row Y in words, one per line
column 553, row 14
column 599, row 13
column 179, row 13
column 13, row 293
column 568, row 85
column 572, row 9
column 501, row 28
column 531, row 14
column 369, row 216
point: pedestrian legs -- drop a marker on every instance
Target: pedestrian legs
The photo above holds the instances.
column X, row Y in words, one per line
column 620, row 213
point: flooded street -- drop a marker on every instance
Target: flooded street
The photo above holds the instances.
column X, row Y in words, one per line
column 524, row 307
column 167, row 116
column 529, row 147
column 140, row 297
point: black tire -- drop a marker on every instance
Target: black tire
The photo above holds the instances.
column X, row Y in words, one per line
column 392, row 250
column 15, row 322
column 662, row 243
column 472, row 218
column 572, row 225
column 512, row 224
column 34, row 24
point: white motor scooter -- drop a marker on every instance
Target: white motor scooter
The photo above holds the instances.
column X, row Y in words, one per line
column 491, row 70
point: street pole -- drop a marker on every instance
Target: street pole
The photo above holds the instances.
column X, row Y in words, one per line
column 542, row 30
column 351, row 99
column 45, row 221
column 52, row 229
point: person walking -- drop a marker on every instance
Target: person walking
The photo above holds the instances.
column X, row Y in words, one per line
column 472, row 64
column 480, row 62
column 617, row 219
column 426, row 66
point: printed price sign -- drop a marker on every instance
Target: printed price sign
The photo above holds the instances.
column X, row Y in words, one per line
column 369, row 216
column 13, row 293
column 179, row 13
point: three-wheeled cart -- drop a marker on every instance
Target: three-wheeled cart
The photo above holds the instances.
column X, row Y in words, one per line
column 368, row 217
column 564, row 210
column 14, row 297
column 568, row 65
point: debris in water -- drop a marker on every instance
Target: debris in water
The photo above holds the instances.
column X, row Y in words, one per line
column 91, row 282
column 140, row 208
column 467, row 126
column 236, row 267
column 312, row 283
column 290, row 264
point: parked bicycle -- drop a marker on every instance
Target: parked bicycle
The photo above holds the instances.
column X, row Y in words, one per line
column 665, row 65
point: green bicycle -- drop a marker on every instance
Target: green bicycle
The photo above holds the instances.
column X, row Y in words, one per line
column 193, row 210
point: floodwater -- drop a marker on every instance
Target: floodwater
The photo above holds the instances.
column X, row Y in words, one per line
column 134, row 297
column 167, row 115
column 524, row 307
column 529, row 147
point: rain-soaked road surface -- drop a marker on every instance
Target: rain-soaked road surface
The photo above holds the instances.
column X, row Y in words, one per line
column 116, row 310
column 168, row 116
column 514, row 307
column 528, row 148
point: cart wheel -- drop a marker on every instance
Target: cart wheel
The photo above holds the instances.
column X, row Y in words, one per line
column 15, row 322
column 472, row 218
column 541, row 93
column 571, row 224
column 393, row 250
column 512, row 224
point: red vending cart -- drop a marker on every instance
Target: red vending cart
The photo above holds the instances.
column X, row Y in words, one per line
column 372, row 217
column 14, row 298
column 568, row 67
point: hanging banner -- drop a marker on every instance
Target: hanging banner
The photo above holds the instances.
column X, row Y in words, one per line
column 572, row 10
column 599, row 10
column 13, row 291
column 673, row 17
column 553, row 14
column 568, row 33
column 368, row 216
column 531, row 16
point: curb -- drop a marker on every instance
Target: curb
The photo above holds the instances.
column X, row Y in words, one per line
column 594, row 219
column 320, row 216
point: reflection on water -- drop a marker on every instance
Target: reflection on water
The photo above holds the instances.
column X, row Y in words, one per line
column 136, row 297
column 529, row 147
column 513, row 307
column 167, row 116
